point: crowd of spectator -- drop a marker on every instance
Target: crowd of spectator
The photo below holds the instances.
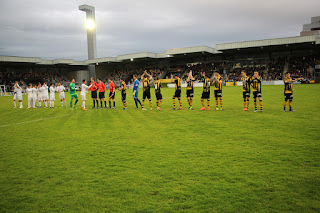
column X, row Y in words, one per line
column 8, row 78
column 268, row 70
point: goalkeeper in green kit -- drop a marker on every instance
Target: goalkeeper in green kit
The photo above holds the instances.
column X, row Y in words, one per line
column 73, row 93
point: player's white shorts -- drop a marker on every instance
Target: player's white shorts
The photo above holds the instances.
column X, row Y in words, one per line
column 45, row 97
column 62, row 96
column 83, row 97
column 19, row 97
column 52, row 97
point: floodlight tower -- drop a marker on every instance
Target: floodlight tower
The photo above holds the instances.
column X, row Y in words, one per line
column 91, row 35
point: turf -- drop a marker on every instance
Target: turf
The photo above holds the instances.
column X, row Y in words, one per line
column 55, row 160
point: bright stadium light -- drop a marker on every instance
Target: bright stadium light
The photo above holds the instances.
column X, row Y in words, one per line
column 90, row 24
column 91, row 35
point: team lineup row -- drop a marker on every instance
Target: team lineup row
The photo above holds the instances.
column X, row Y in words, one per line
column 40, row 93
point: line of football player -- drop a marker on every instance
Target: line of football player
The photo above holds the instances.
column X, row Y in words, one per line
column 40, row 93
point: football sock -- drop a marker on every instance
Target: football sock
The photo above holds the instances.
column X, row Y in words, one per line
column 180, row 102
column 46, row 104
column 14, row 104
column 261, row 105
column 255, row 104
column 248, row 102
column 208, row 102
column 221, row 103
column 125, row 103
column 217, row 103
column 114, row 104
column 191, row 102
column 61, row 103
column 136, row 102
column 76, row 102
column 245, row 103
column 157, row 103
column 20, row 104
column 142, row 103
column 174, row 102
column 290, row 104
column 71, row 103
column 49, row 103
column 94, row 103
column 101, row 104
column 105, row 103
column 109, row 103
column 284, row 105
column 202, row 102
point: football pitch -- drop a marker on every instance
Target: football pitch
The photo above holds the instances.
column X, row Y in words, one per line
column 103, row 160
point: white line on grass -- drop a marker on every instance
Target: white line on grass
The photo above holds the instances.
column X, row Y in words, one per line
column 36, row 120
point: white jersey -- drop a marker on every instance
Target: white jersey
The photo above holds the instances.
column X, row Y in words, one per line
column 29, row 92
column 52, row 93
column 17, row 89
column 52, row 90
column 39, row 94
column 44, row 90
column 84, row 89
column 60, row 89
column 17, row 92
column 34, row 92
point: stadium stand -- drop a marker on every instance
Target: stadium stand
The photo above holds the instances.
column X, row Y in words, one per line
column 271, row 57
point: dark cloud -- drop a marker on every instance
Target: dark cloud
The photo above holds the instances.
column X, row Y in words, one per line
column 55, row 29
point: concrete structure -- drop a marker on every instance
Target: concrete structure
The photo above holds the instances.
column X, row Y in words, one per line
column 190, row 54
column 245, row 53
column 313, row 28
column 91, row 35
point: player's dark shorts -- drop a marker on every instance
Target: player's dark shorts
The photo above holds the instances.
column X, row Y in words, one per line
column 257, row 94
column 158, row 96
column 246, row 94
column 112, row 95
column 205, row 95
column 123, row 96
column 101, row 95
column 177, row 93
column 190, row 93
column 218, row 93
column 288, row 96
column 94, row 94
column 146, row 94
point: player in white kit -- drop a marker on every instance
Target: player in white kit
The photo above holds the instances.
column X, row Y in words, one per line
column 29, row 91
column 52, row 96
column 17, row 95
column 39, row 95
column 45, row 94
column 35, row 97
column 84, row 91
column 60, row 89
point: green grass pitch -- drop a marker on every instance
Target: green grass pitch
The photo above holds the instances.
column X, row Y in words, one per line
column 58, row 160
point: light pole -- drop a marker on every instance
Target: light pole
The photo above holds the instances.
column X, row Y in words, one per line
column 91, row 35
